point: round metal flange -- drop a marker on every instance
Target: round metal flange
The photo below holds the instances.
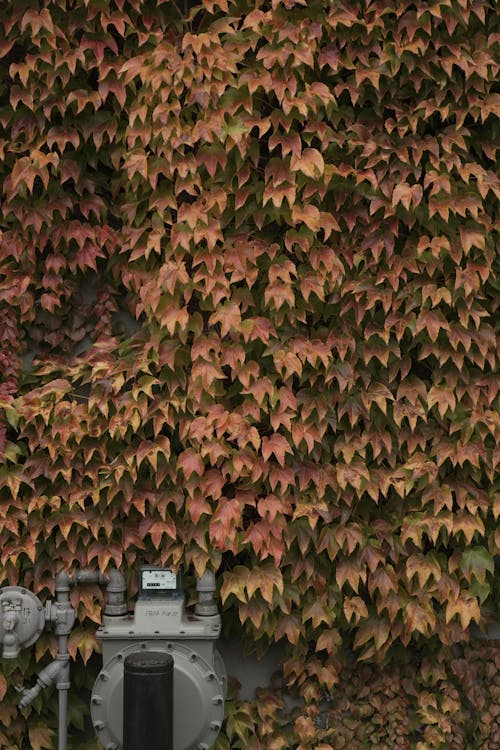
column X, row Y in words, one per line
column 22, row 608
column 198, row 698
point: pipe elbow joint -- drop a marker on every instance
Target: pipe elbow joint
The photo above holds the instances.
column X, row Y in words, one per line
column 116, row 603
column 63, row 582
column 10, row 647
column 50, row 674
column 206, row 586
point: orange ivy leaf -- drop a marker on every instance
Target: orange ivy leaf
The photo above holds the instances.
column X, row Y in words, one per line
column 253, row 611
column 82, row 641
column 224, row 523
column 40, row 736
column 276, row 444
column 235, row 582
column 348, row 570
column 310, row 162
column 318, row 612
column 355, row 607
column 420, row 618
column 265, row 580
column 329, row 640
column 190, row 462
column 290, row 627
column 423, row 566
column 308, row 215
column 467, row 609
column 377, row 630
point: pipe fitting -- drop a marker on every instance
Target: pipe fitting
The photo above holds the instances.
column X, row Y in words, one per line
column 206, row 587
column 10, row 621
column 63, row 618
column 63, row 583
column 116, row 603
column 48, row 676
column 85, row 575
column 28, row 696
column 50, row 673
column 63, row 681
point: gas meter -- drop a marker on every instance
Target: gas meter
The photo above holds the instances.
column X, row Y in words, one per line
column 161, row 623
column 161, row 639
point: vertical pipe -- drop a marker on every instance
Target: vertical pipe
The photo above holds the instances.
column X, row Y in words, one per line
column 62, row 741
column 148, row 701
column 63, row 685
column 64, row 621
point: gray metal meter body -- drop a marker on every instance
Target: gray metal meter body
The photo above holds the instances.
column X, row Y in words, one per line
column 22, row 620
column 161, row 622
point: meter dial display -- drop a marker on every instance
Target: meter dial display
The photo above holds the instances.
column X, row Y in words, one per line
column 158, row 579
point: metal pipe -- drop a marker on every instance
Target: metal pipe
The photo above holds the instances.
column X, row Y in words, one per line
column 63, row 685
column 50, row 674
column 62, row 740
column 86, row 575
column 116, row 601
column 148, row 701
column 64, row 618
column 61, row 617
column 206, row 586
column 64, row 621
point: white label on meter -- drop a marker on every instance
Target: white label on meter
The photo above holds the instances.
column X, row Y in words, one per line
column 159, row 580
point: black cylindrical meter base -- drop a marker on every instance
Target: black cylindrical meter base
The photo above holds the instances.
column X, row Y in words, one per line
column 148, row 701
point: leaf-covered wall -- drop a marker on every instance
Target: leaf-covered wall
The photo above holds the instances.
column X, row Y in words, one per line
column 247, row 320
